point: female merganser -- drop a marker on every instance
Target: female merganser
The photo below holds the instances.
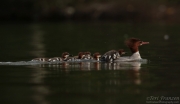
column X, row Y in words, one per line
column 133, row 44
column 112, row 55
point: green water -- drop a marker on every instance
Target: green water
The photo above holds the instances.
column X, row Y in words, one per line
column 88, row 83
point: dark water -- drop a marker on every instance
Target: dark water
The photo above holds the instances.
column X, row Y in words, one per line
column 88, row 83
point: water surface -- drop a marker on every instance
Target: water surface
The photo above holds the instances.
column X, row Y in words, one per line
column 90, row 83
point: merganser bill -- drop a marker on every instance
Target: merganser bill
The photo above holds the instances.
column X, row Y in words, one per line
column 112, row 55
column 133, row 44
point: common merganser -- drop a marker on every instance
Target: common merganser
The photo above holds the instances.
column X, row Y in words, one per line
column 133, row 44
column 112, row 55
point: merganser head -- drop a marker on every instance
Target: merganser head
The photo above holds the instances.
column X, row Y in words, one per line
column 81, row 55
column 134, row 43
column 97, row 56
column 121, row 51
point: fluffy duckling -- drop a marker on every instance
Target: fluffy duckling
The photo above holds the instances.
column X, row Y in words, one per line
column 112, row 55
column 97, row 56
column 88, row 55
column 40, row 59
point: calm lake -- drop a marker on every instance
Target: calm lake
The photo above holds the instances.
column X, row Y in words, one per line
column 89, row 82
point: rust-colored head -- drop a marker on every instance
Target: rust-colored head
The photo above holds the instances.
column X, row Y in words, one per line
column 134, row 43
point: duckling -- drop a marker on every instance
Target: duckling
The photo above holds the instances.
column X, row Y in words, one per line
column 112, row 55
column 97, row 56
column 40, row 59
column 88, row 55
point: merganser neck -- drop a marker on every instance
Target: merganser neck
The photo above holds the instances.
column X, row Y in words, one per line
column 134, row 49
column 136, row 55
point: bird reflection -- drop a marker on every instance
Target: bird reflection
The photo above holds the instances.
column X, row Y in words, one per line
column 92, row 77
column 133, row 68
column 94, row 65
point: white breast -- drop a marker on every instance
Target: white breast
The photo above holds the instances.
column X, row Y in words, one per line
column 136, row 56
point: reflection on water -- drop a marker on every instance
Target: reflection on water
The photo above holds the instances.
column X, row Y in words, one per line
column 87, row 82
column 93, row 65
column 83, row 80
column 40, row 90
column 132, row 68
